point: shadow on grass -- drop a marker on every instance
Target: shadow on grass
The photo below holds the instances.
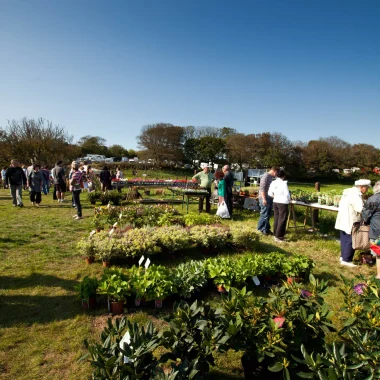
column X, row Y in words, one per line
column 18, row 241
column 27, row 310
column 36, row 279
column 330, row 277
column 267, row 248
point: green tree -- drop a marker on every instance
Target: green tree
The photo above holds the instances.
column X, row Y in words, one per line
column 117, row 151
column 211, row 149
column 93, row 145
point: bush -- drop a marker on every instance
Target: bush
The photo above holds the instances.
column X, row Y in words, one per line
column 209, row 236
column 243, row 236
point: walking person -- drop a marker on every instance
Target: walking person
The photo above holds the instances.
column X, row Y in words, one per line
column 76, row 183
column 35, row 184
column 46, row 176
column 265, row 202
column 58, row 174
column 3, row 171
column 349, row 212
column 205, row 178
column 371, row 216
column 105, row 179
column 279, row 191
column 15, row 178
column 229, row 184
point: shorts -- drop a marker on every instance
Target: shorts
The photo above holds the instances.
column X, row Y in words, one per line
column 61, row 187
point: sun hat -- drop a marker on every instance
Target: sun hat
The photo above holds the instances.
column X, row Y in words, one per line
column 363, row 182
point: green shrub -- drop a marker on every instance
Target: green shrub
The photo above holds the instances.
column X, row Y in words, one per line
column 243, row 236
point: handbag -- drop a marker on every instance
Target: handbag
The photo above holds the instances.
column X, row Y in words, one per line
column 223, row 211
column 360, row 236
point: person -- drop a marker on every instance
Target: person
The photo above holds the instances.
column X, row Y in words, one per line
column 35, row 183
column 76, row 183
column 371, row 216
column 105, row 179
column 46, row 177
column 119, row 173
column 279, row 191
column 15, row 178
column 349, row 212
column 84, row 177
column 220, row 186
column 58, row 174
column 229, row 184
column 3, row 171
column 265, row 202
column 25, row 170
column 205, row 178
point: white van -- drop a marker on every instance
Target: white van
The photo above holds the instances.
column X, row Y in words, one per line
column 109, row 160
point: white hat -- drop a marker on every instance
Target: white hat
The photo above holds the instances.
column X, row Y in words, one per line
column 363, row 182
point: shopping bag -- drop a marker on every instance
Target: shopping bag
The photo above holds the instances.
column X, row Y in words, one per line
column 223, row 211
column 360, row 236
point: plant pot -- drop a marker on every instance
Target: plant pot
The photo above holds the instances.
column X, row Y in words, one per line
column 90, row 304
column 117, row 307
column 290, row 280
column 106, row 264
column 89, row 260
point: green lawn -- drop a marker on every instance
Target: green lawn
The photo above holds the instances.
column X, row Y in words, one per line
column 42, row 323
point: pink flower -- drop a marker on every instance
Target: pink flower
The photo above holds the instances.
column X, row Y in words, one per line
column 359, row 288
column 279, row 321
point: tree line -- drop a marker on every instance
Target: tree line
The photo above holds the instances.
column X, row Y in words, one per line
column 38, row 140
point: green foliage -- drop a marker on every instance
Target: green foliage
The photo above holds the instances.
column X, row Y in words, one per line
column 173, row 239
column 209, row 236
column 299, row 266
column 131, row 361
column 195, row 219
column 87, row 288
column 115, row 283
column 139, row 241
column 105, row 246
column 189, row 276
column 221, row 271
column 243, row 236
column 86, row 247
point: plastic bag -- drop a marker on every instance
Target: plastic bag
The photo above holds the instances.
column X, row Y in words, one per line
column 223, row 211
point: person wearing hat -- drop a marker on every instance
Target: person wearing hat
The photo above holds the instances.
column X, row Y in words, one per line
column 350, row 208
column 205, row 178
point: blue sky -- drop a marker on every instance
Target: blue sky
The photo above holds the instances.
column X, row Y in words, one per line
column 307, row 69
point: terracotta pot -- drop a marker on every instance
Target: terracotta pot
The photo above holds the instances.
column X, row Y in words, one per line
column 91, row 304
column 117, row 307
column 89, row 260
column 294, row 279
column 221, row 289
column 106, row 264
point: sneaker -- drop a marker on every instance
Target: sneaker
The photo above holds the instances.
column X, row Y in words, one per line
column 78, row 217
column 277, row 240
column 263, row 233
column 348, row 264
column 75, row 216
column 33, row 203
column 37, row 205
column 340, row 259
column 20, row 205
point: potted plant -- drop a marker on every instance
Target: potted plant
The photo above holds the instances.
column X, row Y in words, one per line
column 86, row 247
column 115, row 283
column 115, row 197
column 93, row 196
column 219, row 270
column 87, row 292
column 298, row 268
column 106, row 247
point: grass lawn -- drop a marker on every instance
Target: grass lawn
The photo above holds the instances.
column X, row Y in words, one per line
column 42, row 324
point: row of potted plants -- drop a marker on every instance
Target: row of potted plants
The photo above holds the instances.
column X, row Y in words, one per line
column 147, row 215
column 172, row 239
column 157, row 282
column 284, row 336
column 112, row 196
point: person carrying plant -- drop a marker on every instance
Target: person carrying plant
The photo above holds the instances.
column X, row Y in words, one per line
column 266, row 202
column 349, row 212
column 205, row 178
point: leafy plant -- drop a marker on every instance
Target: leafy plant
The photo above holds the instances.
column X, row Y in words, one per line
column 115, row 283
column 172, row 238
column 86, row 247
column 209, row 236
column 243, row 236
column 189, row 276
column 298, row 266
column 195, row 219
column 219, row 269
column 87, row 288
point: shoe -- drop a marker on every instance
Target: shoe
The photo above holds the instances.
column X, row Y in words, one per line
column 269, row 232
column 78, row 217
column 20, row 205
column 263, row 233
column 277, row 240
column 37, row 205
column 75, row 216
column 73, row 206
column 340, row 259
column 348, row 264
column 33, row 203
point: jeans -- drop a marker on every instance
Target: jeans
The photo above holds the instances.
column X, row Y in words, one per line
column 76, row 196
column 346, row 250
column 265, row 213
column 281, row 212
column 45, row 187
column 16, row 192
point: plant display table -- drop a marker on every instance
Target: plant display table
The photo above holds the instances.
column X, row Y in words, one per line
column 187, row 193
column 309, row 212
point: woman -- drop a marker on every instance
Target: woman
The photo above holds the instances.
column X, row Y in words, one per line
column 278, row 190
column 35, row 182
column 349, row 212
column 105, row 179
column 220, row 185
column 371, row 216
column 119, row 173
column 76, row 183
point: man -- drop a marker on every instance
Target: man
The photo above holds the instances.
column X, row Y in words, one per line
column 15, row 177
column 58, row 174
column 266, row 202
column 205, row 178
column 229, row 183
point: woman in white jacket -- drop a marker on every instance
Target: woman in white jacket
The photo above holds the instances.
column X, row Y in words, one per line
column 279, row 191
column 350, row 208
